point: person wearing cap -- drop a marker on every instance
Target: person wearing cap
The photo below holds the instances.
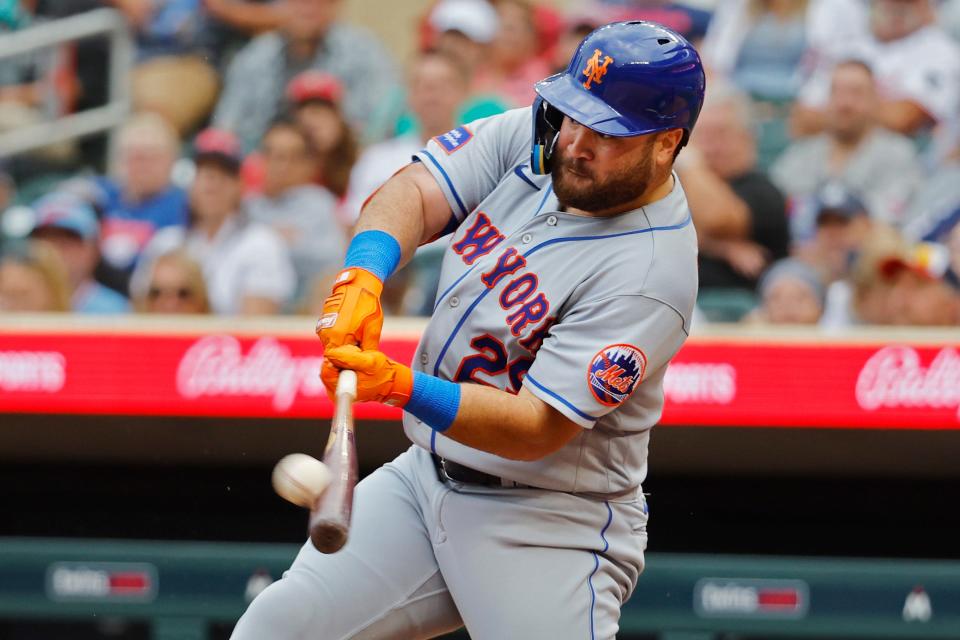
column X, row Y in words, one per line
column 842, row 224
column 313, row 101
column 311, row 37
column 466, row 31
column 245, row 264
column 924, row 290
column 302, row 212
column 316, row 100
column 71, row 227
column 853, row 149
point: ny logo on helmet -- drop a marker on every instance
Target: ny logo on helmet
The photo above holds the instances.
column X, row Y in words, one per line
column 595, row 70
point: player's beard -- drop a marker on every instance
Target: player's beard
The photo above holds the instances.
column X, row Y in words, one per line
column 585, row 191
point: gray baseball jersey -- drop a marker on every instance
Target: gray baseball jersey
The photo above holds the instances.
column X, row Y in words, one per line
column 584, row 312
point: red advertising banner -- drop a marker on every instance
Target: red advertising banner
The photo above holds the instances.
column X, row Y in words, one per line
column 712, row 382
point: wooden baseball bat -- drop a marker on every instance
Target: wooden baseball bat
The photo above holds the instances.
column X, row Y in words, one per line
column 330, row 516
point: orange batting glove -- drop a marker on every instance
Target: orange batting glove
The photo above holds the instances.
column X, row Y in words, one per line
column 379, row 378
column 352, row 314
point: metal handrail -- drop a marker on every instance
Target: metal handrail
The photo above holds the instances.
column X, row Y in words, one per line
column 103, row 118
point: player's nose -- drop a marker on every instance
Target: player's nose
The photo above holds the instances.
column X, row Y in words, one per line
column 580, row 144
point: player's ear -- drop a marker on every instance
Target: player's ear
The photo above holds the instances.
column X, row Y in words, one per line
column 666, row 146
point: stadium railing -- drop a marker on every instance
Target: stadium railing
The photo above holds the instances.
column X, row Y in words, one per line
column 106, row 117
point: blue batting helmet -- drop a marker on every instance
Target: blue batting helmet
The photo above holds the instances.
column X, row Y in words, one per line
column 626, row 79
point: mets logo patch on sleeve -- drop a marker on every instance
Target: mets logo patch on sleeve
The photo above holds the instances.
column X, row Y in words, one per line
column 453, row 140
column 615, row 372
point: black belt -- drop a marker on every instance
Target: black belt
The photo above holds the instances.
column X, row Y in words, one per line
column 450, row 470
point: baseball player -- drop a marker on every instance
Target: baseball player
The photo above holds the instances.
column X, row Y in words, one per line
column 567, row 285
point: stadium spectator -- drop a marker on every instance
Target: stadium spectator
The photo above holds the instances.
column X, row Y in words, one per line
column 854, row 150
column 790, row 292
column 514, row 64
column 32, row 279
column 465, row 30
column 759, row 45
column 739, row 214
column 70, row 226
column 175, row 285
column 437, row 89
column 924, row 291
column 841, row 225
column 246, row 266
column 303, row 213
column 916, row 65
column 140, row 198
column 311, row 38
column 316, row 99
column 842, row 222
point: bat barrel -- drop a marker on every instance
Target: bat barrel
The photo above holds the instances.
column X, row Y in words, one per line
column 330, row 518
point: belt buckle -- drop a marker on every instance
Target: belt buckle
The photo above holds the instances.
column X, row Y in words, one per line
column 443, row 470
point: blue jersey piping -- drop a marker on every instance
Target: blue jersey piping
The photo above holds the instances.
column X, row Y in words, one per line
column 446, row 177
column 517, row 170
column 596, row 565
column 560, row 398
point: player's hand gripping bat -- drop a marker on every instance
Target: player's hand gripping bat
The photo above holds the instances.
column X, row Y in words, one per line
column 330, row 515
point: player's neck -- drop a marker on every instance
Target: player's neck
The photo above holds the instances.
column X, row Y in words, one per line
column 651, row 195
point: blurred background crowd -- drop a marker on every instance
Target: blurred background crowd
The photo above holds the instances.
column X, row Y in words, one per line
column 823, row 175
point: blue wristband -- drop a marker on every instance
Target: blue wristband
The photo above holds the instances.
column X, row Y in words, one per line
column 434, row 401
column 376, row 251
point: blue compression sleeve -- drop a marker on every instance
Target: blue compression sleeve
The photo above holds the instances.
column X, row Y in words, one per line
column 376, row 251
column 434, row 401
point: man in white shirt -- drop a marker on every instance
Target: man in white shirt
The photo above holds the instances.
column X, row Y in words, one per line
column 245, row 264
column 916, row 64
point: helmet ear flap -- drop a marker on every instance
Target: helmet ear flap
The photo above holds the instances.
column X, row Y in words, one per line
column 547, row 121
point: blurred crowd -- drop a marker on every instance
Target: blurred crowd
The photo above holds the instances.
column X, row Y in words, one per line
column 823, row 175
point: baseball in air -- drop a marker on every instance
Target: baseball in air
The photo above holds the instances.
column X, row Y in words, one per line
column 300, row 479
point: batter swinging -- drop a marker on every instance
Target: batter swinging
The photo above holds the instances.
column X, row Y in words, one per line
column 566, row 288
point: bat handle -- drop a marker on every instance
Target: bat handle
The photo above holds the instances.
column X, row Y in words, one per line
column 347, row 385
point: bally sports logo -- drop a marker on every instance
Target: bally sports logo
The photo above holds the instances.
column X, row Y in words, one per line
column 216, row 366
column 615, row 372
column 893, row 378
